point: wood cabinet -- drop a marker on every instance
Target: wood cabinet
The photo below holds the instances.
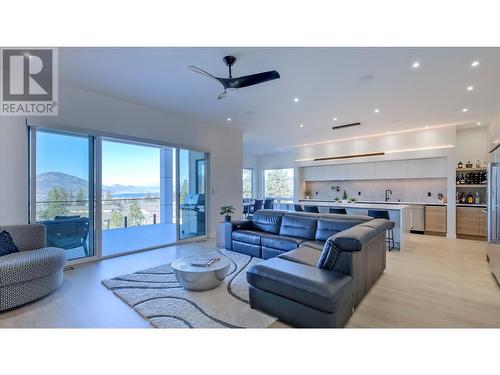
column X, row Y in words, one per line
column 471, row 222
column 435, row 220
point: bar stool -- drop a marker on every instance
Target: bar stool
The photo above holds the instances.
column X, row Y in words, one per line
column 298, row 208
column 313, row 209
column 383, row 214
column 341, row 211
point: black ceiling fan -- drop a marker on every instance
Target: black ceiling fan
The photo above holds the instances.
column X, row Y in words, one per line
column 237, row 82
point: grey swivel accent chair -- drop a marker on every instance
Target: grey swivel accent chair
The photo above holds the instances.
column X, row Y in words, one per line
column 33, row 272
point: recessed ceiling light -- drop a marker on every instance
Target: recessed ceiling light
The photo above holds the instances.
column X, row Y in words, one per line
column 465, row 110
column 470, row 88
column 301, row 125
column 335, row 119
column 478, row 123
column 474, row 64
column 295, row 100
column 229, row 119
column 376, row 110
column 415, row 65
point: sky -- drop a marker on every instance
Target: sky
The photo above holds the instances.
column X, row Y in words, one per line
column 122, row 163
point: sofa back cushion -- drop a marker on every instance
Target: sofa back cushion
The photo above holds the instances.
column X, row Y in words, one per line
column 299, row 225
column 267, row 221
column 332, row 224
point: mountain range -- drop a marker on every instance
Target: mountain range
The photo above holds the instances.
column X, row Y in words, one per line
column 49, row 180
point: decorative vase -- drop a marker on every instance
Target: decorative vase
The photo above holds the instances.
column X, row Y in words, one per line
column 227, row 218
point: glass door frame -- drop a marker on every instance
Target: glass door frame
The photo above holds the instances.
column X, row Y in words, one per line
column 94, row 232
column 96, row 158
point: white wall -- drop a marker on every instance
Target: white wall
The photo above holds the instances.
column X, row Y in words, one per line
column 472, row 145
column 83, row 110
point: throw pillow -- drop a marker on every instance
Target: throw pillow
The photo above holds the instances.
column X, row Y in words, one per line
column 7, row 245
column 328, row 256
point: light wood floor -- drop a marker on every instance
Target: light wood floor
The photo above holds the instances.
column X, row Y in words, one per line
column 437, row 282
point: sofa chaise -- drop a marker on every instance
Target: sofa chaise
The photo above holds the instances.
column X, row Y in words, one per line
column 290, row 284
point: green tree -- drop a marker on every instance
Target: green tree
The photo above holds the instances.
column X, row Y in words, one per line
column 184, row 191
column 116, row 219
column 58, row 203
column 278, row 183
column 247, row 183
column 135, row 215
column 80, row 198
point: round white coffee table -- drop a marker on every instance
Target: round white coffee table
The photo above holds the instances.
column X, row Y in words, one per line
column 201, row 278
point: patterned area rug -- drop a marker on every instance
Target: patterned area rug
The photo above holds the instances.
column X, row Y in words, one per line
column 157, row 296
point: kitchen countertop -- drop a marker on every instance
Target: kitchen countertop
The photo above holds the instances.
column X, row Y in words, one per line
column 393, row 207
column 379, row 202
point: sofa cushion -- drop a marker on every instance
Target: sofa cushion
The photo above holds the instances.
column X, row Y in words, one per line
column 320, row 289
column 329, row 255
column 31, row 264
column 301, row 226
column 318, row 245
column 283, row 243
column 329, row 226
column 7, row 245
column 354, row 238
column 247, row 236
column 267, row 221
column 304, row 255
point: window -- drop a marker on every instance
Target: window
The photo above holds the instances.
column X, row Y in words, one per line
column 248, row 183
column 278, row 183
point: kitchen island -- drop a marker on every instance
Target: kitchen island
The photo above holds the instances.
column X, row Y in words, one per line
column 398, row 213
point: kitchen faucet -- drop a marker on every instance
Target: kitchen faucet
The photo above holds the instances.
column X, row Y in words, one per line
column 386, row 195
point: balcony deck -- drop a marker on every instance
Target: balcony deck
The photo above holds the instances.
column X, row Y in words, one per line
column 123, row 240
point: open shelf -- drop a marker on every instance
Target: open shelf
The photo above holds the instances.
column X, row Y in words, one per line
column 471, row 169
column 472, row 186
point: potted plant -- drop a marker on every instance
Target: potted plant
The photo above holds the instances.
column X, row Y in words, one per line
column 227, row 211
column 344, row 197
column 307, row 194
column 337, row 199
column 352, row 200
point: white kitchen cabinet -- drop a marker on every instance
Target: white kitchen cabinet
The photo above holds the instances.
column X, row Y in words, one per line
column 361, row 171
column 427, row 168
column 336, row 172
column 313, row 173
column 391, row 169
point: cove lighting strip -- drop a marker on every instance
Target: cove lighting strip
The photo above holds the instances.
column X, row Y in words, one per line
column 382, row 153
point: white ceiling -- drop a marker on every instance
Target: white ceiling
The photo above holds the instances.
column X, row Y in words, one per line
column 347, row 83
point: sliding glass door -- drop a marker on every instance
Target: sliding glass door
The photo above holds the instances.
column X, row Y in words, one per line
column 100, row 196
column 192, row 192
column 137, row 199
column 62, row 190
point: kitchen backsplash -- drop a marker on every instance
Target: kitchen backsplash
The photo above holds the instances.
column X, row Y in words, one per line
column 405, row 190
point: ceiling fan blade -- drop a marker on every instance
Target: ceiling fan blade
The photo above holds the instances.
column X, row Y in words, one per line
column 250, row 80
column 204, row 72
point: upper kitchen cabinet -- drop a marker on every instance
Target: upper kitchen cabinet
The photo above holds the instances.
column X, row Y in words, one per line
column 391, row 169
column 361, row 171
column 313, row 173
column 427, row 168
column 336, row 172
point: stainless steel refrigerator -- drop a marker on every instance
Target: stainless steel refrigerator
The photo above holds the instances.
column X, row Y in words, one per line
column 493, row 199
